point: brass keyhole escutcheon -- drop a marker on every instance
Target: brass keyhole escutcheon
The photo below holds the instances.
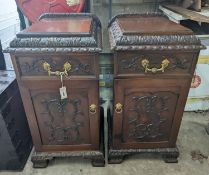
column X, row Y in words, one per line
column 119, row 108
column 93, row 109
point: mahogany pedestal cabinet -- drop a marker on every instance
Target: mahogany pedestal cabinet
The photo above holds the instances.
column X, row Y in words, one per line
column 56, row 62
column 154, row 62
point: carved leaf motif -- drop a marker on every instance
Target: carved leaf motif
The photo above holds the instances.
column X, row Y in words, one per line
column 134, row 64
column 58, row 112
column 147, row 121
column 35, row 67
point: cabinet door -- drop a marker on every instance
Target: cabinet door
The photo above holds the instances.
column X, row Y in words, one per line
column 150, row 112
column 67, row 124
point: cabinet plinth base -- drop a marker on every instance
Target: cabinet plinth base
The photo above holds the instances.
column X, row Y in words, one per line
column 115, row 159
column 39, row 162
column 99, row 162
column 41, row 159
column 169, row 155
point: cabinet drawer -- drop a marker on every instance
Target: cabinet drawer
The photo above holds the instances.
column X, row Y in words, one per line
column 154, row 63
column 80, row 64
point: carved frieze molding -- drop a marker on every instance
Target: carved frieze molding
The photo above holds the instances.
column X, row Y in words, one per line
column 53, row 50
column 84, row 154
column 124, row 152
column 156, row 47
column 35, row 67
column 120, row 41
column 134, row 63
column 53, row 42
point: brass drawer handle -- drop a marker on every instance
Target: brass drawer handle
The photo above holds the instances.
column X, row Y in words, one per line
column 145, row 64
column 93, row 109
column 67, row 67
column 119, row 108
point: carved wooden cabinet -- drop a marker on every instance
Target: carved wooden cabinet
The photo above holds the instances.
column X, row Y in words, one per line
column 56, row 62
column 154, row 61
column 15, row 138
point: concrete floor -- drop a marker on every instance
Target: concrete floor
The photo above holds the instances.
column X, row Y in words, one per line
column 192, row 136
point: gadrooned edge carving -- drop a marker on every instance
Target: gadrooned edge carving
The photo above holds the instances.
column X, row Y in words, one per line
column 61, row 41
column 84, row 154
column 124, row 152
column 53, row 50
column 36, row 44
column 118, row 41
column 154, row 42
column 157, row 47
column 153, row 39
column 54, row 42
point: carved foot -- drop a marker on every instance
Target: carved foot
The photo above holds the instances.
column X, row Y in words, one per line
column 39, row 162
column 171, row 157
column 98, row 162
column 115, row 160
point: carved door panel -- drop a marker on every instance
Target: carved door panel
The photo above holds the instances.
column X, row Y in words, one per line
column 67, row 122
column 147, row 113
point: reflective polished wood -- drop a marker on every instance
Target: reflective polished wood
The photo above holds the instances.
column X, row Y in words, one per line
column 154, row 62
column 73, row 25
column 61, row 102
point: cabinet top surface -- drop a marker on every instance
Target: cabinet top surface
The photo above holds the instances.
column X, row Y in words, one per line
column 60, row 32
column 150, row 25
column 71, row 26
column 152, row 31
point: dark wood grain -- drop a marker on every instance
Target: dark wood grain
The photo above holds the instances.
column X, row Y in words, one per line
column 129, row 63
column 152, row 101
column 149, row 111
column 142, row 26
column 61, row 126
column 81, row 64
column 70, row 26
column 147, row 35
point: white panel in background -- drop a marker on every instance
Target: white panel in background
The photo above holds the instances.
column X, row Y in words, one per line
column 9, row 25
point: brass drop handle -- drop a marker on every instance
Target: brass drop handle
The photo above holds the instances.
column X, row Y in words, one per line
column 119, row 108
column 67, row 67
column 93, row 109
column 145, row 64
